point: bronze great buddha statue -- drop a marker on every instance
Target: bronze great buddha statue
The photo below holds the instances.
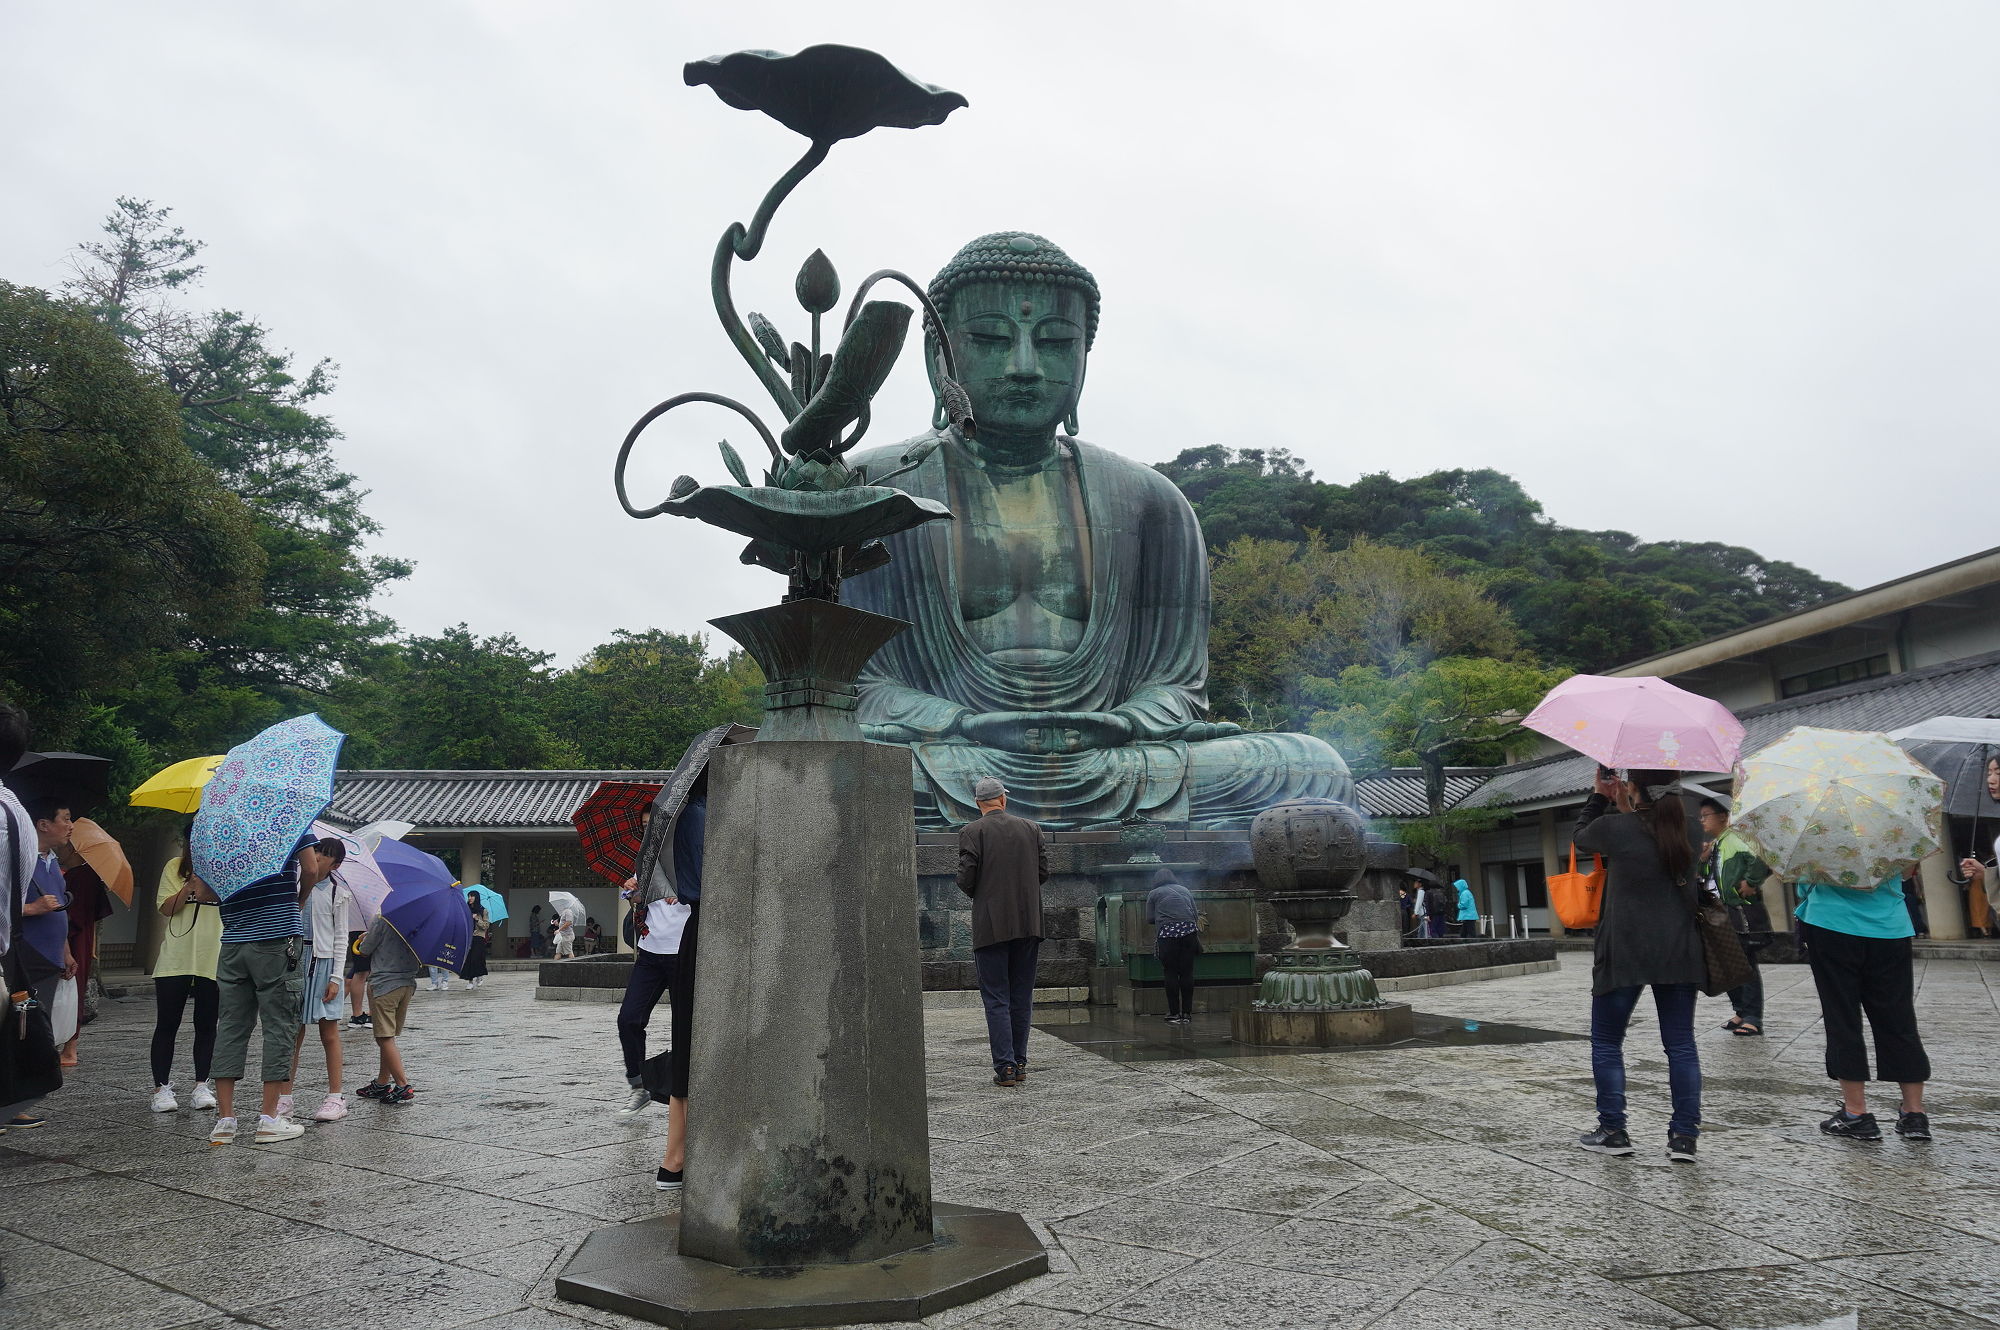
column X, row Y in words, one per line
column 1060, row 637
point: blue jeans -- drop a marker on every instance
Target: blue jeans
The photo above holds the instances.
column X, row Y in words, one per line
column 1007, row 986
column 1610, row 1013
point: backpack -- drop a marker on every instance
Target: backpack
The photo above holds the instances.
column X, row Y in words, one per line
column 1435, row 904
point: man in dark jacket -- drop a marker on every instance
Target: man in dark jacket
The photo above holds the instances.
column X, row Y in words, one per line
column 1002, row 863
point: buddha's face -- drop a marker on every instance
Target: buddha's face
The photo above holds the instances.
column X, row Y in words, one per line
column 1019, row 347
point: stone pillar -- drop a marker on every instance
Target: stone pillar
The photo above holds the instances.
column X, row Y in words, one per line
column 1553, row 861
column 503, row 882
column 471, row 853
column 811, row 1142
column 1944, row 901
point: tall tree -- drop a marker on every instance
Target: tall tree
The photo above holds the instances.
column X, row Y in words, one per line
column 637, row 700
column 254, row 417
column 455, row 701
column 1285, row 613
column 116, row 542
column 1454, row 711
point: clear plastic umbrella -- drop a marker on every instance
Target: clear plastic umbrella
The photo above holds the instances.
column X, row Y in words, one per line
column 358, row 873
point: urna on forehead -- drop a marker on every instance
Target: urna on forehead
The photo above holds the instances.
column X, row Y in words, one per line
column 1015, row 257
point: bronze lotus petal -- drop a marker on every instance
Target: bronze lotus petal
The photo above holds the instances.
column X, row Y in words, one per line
column 824, row 92
column 808, row 521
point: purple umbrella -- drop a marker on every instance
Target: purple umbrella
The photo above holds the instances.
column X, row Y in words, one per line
column 425, row 905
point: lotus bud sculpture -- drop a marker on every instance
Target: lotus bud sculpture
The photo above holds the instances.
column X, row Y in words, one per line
column 814, row 518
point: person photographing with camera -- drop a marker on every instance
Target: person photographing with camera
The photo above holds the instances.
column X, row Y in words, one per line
column 1646, row 937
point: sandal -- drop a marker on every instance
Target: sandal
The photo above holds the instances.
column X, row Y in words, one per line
column 1732, row 1023
column 1745, row 1028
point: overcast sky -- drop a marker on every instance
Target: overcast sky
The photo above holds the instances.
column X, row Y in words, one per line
column 1707, row 271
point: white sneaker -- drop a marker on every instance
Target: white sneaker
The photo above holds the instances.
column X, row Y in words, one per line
column 637, row 1100
column 224, row 1131
column 203, row 1097
column 272, row 1130
column 332, row 1109
column 284, row 1106
column 164, row 1101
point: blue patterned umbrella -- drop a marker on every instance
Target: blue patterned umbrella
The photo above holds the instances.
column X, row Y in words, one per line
column 261, row 800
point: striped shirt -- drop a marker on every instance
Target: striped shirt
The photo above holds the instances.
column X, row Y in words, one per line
column 269, row 907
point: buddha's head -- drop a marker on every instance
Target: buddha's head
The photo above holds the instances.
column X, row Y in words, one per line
column 1021, row 316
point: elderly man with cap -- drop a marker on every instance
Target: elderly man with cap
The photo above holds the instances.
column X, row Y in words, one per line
column 1002, row 863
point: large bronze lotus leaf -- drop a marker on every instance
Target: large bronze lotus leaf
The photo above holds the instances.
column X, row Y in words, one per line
column 809, row 521
column 824, row 92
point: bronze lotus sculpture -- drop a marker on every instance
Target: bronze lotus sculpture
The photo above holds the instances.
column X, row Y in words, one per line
column 814, row 518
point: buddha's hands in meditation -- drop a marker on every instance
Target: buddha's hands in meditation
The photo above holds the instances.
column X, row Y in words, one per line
column 1047, row 731
column 1074, row 731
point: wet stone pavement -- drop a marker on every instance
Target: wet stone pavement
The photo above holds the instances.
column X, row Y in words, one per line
column 1428, row 1186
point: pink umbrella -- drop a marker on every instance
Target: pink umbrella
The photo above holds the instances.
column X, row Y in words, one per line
column 1643, row 723
column 358, row 874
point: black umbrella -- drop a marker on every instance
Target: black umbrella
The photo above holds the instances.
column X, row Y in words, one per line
column 80, row 780
column 1962, row 768
column 1423, row 875
column 691, row 771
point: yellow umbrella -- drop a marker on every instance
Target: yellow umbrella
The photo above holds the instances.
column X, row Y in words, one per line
column 97, row 848
column 178, row 787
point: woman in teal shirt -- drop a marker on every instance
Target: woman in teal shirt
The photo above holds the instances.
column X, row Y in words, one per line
column 1858, row 944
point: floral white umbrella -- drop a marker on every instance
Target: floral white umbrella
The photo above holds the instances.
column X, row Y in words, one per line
column 1843, row 807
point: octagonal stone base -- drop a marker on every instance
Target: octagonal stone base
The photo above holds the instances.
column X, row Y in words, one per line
column 637, row 1269
column 1325, row 1029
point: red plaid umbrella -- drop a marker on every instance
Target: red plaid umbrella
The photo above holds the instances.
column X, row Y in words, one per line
column 608, row 825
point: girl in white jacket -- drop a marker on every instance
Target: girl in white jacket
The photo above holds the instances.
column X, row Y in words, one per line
column 327, row 923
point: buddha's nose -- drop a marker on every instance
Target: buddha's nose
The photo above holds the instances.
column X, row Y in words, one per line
column 1023, row 363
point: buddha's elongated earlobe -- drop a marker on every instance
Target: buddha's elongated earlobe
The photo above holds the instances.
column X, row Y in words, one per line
column 1069, row 423
column 933, row 367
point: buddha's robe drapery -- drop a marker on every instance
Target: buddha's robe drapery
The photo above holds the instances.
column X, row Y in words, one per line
column 1143, row 655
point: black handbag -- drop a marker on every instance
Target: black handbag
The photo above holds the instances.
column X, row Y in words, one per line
column 29, row 1064
column 30, row 1067
column 656, row 1073
column 1722, row 952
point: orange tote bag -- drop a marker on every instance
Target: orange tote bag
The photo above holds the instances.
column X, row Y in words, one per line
column 1578, row 898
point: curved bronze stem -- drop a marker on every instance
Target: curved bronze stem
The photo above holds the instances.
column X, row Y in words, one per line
column 739, row 242
column 931, row 315
column 639, row 427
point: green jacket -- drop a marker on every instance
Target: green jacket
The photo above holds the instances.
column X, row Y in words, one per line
column 1734, row 867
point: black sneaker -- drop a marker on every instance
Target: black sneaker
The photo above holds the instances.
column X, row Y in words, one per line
column 374, row 1090
column 401, row 1094
column 1913, row 1126
column 666, row 1179
column 1680, row 1149
column 363, row 1019
column 1606, row 1141
column 1854, row 1127
column 1005, row 1075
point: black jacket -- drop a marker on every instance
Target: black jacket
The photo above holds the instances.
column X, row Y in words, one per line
column 1002, row 863
column 1646, row 932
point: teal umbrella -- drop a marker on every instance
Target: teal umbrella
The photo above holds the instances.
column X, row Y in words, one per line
column 489, row 901
column 262, row 799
